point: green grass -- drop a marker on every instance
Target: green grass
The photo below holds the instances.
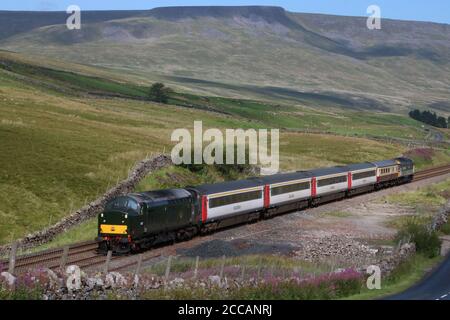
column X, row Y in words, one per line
column 427, row 197
column 426, row 157
column 425, row 201
column 296, row 117
column 85, row 231
column 402, row 221
column 63, row 80
column 406, row 275
column 304, row 151
column 250, row 261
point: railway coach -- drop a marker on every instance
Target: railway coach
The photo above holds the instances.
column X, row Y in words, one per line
column 228, row 203
column 140, row 220
column 286, row 192
column 362, row 178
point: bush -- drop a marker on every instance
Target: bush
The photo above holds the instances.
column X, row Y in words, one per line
column 427, row 242
column 159, row 93
column 445, row 229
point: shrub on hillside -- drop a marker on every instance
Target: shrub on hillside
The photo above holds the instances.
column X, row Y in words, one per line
column 445, row 229
column 159, row 93
column 427, row 242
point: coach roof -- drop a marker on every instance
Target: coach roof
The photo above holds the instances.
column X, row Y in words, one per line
column 229, row 186
column 385, row 163
column 327, row 171
column 285, row 177
column 359, row 166
column 404, row 160
column 160, row 195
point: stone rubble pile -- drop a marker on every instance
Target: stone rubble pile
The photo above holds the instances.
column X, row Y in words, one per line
column 349, row 251
column 142, row 169
column 339, row 247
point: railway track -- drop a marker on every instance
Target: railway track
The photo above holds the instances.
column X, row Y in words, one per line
column 432, row 172
column 85, row 254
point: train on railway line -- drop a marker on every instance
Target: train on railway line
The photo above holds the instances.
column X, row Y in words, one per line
column 138, row 221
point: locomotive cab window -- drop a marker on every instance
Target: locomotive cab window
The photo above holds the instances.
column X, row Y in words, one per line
column 133, row 205
column 123, row 204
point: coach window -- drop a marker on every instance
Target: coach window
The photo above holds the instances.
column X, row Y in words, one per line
column 227, row 200
column 362, row 175
column 290, row 188
column 330, row 181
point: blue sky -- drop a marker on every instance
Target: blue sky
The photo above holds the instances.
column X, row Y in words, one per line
column 423, row 10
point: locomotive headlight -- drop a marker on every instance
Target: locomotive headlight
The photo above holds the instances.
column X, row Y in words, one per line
column 101, row 215
column 126, row 216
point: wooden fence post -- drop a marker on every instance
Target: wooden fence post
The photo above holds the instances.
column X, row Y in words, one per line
column 12, row 258
column 108, row 260
column 196, row 267
column 399, row 245
column 64, row 256
column 332, row 265
column 222, row 266
column 139, row 264
column 166, row 276
column 169, row 262
column 258, row 272
column 243, row 272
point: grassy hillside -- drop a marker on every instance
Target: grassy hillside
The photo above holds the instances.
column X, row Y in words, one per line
column 65, row 140
column 82, row 83
column 255, row 52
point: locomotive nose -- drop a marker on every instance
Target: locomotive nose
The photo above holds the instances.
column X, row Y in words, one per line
column 113, row 223
column 117, row 224
column 114, row 232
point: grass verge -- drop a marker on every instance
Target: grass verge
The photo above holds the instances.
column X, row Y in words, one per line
column 406, row 275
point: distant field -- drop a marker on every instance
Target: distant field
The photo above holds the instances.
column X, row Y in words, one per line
column 63, row 146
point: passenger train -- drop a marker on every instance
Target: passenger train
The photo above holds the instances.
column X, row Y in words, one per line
column 140, row 220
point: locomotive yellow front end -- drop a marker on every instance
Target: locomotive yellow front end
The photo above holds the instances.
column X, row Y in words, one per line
column 116, row 225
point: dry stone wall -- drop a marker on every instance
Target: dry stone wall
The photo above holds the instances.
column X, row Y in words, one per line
column 142, row 169
column 441, row 217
